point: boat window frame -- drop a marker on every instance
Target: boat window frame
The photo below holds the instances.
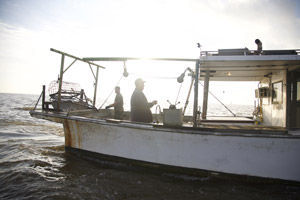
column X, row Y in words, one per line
column 275, row 90
column 297, row 90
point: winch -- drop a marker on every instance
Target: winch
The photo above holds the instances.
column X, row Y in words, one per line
column 172, row 116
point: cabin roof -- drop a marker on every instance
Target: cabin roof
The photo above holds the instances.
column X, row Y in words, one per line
column 247, row 67
column 233, row 64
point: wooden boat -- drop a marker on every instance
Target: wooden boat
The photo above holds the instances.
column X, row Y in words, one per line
column 266, row 146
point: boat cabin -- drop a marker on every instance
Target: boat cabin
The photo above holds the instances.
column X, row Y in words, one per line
column 277, row 71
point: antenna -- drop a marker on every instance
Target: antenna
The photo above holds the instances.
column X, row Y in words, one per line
column 199, row 46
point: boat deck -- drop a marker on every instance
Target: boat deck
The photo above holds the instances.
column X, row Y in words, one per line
column 228, row 120
column 223, row 125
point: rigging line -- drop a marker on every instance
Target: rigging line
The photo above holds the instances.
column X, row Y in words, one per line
column 29, row 104
column 219, row 100
column 153, row 76
column 178, row 93
column 111, row 91
column 38, row 101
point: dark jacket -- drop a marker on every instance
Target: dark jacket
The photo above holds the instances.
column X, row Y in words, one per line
column 118, row 106
column 140, row 107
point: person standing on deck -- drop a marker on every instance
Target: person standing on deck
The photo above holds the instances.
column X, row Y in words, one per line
column 140, row 107
column 118, row 104
column 259, row 47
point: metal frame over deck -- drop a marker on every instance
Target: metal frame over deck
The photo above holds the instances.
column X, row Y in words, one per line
column 224, row 65
column 197, row 71
column 62, row 71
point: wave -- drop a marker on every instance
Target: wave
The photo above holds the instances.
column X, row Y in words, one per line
column 26, row 108
column 29, row 182
column 38, row 127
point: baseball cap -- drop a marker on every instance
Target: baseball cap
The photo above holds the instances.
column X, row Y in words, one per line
column 139, row 81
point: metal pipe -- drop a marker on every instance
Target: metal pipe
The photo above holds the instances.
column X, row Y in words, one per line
column 43, row 97
column 135, row 58
column 205, row 94
column 70, row 65
column 92, row 71
column 197, row 69
column 96, row 84
column 83, row 60
column 60, row 80
column 187, row 99
column 38, row 101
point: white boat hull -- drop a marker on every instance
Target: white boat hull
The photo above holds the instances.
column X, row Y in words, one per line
column 270, row 156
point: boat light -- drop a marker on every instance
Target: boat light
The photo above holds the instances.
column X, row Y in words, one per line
column 125, row 73
column 180, row 78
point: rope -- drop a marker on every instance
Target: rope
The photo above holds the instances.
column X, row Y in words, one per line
column 29, row 104
column 153, row 76
column 219, row 100
column 38, row 101
column 178, row 93
column 111, row 91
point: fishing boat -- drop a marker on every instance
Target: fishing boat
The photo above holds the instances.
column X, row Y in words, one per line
column 267, row 145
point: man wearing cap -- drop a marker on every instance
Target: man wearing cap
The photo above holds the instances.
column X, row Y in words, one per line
column 140, row 107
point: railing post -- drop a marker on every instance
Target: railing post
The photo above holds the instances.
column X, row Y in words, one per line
column 81, row 95
column 205, row 94
column 95, row 89
column 60, row 80
column 43, row 97
column 197, row 67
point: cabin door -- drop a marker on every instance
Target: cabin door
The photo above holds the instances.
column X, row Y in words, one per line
column 294, row 107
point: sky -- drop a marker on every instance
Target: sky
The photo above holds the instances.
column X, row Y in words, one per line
column 135, row 28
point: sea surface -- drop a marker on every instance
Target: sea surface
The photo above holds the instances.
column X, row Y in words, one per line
column 34, row 165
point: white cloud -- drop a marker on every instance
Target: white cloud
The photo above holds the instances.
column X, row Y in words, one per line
column 164, row 28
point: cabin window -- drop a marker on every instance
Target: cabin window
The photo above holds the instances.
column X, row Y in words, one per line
column 298, row 89
column 277, row 92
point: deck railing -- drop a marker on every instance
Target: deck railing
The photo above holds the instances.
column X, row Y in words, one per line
column 247, row 52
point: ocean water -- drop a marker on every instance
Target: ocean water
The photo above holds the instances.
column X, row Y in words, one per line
column 34, row 165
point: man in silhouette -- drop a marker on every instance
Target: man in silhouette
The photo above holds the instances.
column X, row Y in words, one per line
column 140, row 107
column 118, row 104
